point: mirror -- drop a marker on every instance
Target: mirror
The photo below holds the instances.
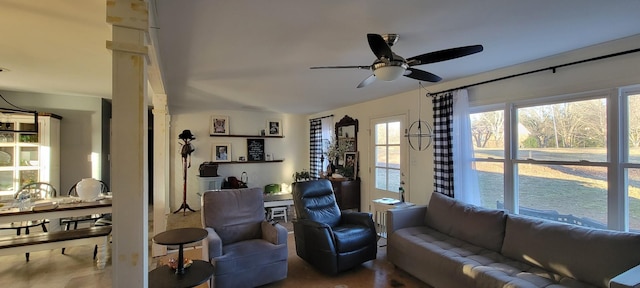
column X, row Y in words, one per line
column 347, row 133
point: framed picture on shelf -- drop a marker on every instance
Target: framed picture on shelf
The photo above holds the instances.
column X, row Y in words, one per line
column 274, row 128
column 351, row 165
column 221, row 152
column 219, row 125
column 255, row 149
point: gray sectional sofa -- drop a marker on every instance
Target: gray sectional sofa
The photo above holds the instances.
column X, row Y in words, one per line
column 452, row 244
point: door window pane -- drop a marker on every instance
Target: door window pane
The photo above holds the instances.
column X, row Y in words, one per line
column 394, row 180
column 570, row 131
column 394, row 133
column 394, row 157
column 381, row 178
column 381, row 134
column 381, row 156
column 565, row 193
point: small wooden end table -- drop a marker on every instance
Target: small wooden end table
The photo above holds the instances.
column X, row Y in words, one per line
column 199, row 272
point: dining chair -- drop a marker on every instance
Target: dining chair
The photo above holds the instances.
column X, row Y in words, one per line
column 88, row 218
column 96, row 219
column 32, row 192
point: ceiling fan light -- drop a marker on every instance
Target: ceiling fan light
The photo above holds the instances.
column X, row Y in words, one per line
column 389, row 73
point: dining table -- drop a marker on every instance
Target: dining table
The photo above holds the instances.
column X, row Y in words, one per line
column 59, row 207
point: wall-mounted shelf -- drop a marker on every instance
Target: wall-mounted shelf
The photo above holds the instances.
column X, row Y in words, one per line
column 246, row 136
column 250, row 162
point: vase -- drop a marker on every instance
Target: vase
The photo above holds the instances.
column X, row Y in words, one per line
column 89, row 189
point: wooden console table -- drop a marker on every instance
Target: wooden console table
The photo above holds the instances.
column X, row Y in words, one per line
column 347, row 193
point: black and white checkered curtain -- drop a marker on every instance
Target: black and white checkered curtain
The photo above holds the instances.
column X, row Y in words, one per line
column 315, row 148
column 443, row 148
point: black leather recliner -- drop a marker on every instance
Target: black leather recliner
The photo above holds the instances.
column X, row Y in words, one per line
column 330, row 240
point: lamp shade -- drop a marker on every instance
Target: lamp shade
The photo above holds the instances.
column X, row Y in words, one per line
column 389, row 71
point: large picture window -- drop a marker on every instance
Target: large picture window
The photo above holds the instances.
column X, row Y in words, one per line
column 573, row 159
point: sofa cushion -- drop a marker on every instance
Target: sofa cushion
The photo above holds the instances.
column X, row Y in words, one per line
column 247, row 255
column 476, row 225
column 591, row 255
column 444, row 261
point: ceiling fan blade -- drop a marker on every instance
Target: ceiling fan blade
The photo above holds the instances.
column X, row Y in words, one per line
column 379, row 47
column 339, row 67
column 422, row 75
column 444, row 55
column 367, row 81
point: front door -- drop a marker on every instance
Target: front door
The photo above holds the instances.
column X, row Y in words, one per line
column 388, row 156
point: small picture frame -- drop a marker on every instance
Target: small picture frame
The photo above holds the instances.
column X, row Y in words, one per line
column 274, row 128
column 221, row 152
column 351, row 163
column 219, row 125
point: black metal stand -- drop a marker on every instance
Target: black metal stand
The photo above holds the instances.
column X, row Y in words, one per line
column 184, row 205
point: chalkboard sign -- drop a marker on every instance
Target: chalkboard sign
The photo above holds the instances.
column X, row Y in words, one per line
column 255, row 149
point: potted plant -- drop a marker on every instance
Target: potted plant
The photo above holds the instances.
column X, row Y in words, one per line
column 303, row 175
column 336, row 150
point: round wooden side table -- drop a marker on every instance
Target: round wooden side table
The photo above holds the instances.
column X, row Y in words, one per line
column 199, row 272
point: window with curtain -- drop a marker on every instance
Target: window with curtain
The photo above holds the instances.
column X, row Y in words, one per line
column 320, row 131
column 574, row 157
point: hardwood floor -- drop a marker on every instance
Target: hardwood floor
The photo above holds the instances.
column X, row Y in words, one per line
column 76, row 268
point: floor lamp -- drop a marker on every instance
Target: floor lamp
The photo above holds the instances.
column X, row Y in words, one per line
column 186, row 150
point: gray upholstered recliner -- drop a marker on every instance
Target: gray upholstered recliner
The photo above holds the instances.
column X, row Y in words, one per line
column 245, row 250
column 330, row 240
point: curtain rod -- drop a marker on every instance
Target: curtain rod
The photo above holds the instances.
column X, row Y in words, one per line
column 552, row 68
column 321, row 117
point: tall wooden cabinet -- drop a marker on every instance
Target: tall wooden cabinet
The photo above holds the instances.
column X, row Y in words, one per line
column 347, row 194
column 26, row 158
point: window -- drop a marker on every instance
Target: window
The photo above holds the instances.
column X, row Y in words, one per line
column 387, row 155
column 631, row 155
column 575, row 158
column 487, row 134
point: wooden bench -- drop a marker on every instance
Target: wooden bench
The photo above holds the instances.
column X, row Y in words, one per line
column 59, row 239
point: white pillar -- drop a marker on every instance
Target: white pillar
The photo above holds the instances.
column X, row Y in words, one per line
column 129, row 142
column 160, row 169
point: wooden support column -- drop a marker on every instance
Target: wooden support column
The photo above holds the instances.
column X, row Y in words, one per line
column 129, row 173
column 161, row 169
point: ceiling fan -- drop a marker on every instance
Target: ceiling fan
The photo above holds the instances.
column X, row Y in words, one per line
column 389, row 66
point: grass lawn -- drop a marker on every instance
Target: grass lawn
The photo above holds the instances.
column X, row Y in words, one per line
column 567, row 189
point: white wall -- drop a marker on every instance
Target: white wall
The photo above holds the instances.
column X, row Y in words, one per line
column 80, row 131
column 602, row 74
column 293, row 148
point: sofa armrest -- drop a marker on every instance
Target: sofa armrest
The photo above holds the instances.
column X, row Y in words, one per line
column 628, row 279
column 214, row 243
column 274, row 233
column 405, row 217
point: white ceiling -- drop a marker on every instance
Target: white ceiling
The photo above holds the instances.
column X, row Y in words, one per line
column 255, row 55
